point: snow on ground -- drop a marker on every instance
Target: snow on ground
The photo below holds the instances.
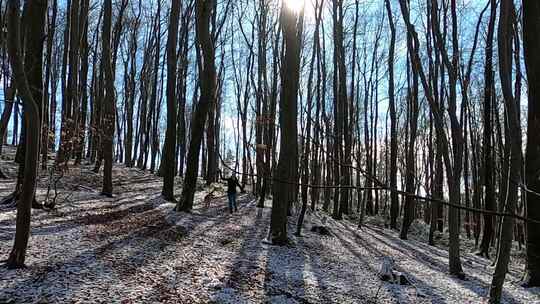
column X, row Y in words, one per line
column 134, row 248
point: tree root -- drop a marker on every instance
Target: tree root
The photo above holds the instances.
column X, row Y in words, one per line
column 16, row 260
column 109, row 195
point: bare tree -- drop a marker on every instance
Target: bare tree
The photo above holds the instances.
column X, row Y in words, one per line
column 286, row 173
column 207, row 72
column 307, row 138
column 109, row 101
column 170, row 135
column 394, row 204
column 453, row 168
column 531, row 41
column 28, row 79
column 513, row 136
column 489, row 98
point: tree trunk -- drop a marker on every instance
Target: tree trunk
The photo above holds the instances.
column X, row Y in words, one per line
column 83, row 81
column 307, row 138
column 337, row 21
column 531, row 36
column 207, row 74
column 514, row 138
column 46, row 137
column 285, row 175
column 108, row 102
column 71, row 103
column 6, row 113
column 28, row 79
column 410, row 166
column 453, row 168
column 489, row 87
column 170, row 135
column 394, row 204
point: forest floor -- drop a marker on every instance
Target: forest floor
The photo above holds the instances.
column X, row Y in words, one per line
column 134, row 248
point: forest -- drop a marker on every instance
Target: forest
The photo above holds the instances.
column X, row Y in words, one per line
column 269, row 151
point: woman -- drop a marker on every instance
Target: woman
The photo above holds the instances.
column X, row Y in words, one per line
column 232, row 183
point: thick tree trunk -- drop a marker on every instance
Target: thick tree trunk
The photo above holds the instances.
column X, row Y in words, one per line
column 211, row 146
column 489, row 87
column 514, row 139
column 345, row 133
column 531, row 36
column 337, row 22
column 109, row 101
column 207, row 74
column 47, row 137
column 410, row 166
column 28, row 79
column 170, row 135
column 286, row 173
column 83, row 81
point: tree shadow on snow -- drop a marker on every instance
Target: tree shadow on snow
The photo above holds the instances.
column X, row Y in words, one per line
column 45, row 223
column 245, row 275
column 425, row 258
column 474, row 282
column 284, row 280
column 130, row 239
column 396, row 290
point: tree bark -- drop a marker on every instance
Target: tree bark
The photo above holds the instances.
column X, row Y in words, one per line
column 170, row 135
column 285, row 175
column 307, row 137
column 531, row 36
column 28, row 79
column 513, row 136
column 489, row 87
column 394, row 204
column 207, row 72
column 108, row 102
column 453, row 169
column 6, row 113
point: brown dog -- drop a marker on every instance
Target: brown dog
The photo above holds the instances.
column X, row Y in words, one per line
column 209, row 198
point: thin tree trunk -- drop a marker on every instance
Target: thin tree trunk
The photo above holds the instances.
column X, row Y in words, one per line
column 307, row 138
column 394, row 204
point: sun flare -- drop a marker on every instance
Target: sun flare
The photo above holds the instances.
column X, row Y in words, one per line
column 294, row 5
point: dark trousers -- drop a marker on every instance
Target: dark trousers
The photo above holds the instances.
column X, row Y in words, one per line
column 232, row 202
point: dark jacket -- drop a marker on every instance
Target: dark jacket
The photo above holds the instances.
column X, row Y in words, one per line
column 232, row 183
